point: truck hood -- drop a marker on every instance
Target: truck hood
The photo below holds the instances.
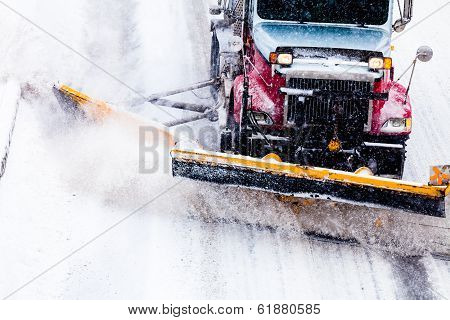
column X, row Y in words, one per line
column 269, row 36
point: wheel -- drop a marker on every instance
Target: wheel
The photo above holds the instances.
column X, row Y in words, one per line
column 229, row 137
column 394, row 164
column 387, row 162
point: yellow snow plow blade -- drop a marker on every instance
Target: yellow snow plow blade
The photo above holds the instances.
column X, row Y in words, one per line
column 290, row 179
column 79, row 102
column 76, row 102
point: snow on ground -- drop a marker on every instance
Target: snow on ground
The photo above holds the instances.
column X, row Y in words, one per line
column 67, row 182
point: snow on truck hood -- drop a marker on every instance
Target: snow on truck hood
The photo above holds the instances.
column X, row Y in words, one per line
column 269, row 36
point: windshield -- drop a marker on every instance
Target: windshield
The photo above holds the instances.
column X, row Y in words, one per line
column 361, row 12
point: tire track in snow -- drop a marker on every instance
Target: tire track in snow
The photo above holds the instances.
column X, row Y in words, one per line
column 412, row 279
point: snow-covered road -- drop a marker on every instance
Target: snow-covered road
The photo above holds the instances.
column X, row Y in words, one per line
column 66, row 184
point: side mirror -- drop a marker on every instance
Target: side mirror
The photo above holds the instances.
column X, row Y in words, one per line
column 400, row 25
column 424, row 54
column 215, row 10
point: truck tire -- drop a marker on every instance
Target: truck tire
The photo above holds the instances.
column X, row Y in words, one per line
column 396, row 166
column 388, row 162
column 229, row 138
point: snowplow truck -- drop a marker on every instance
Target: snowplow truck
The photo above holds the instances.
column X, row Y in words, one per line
column 308, row 104
column 310, row 98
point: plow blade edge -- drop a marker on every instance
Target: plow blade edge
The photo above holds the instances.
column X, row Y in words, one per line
column 302, row 181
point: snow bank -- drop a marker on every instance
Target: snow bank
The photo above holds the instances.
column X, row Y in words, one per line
column 9, row 103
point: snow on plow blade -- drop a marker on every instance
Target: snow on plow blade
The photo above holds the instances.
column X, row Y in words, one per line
column 302, row 181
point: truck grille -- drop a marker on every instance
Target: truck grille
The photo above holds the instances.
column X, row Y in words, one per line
column 324, row 111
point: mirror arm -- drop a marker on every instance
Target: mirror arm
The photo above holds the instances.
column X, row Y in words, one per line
column 424, row 54
column 405, row 16
column 408, row 10
column 407, row 69
column 410, row 80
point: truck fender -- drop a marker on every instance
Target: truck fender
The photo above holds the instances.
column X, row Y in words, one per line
column 397, row 106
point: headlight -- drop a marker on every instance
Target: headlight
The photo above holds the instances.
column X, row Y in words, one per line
column 377, row 63
column 261, row 118
column 284, row 59
column 397, row 125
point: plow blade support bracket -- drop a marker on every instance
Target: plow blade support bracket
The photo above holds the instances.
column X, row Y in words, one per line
column 195, row 86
